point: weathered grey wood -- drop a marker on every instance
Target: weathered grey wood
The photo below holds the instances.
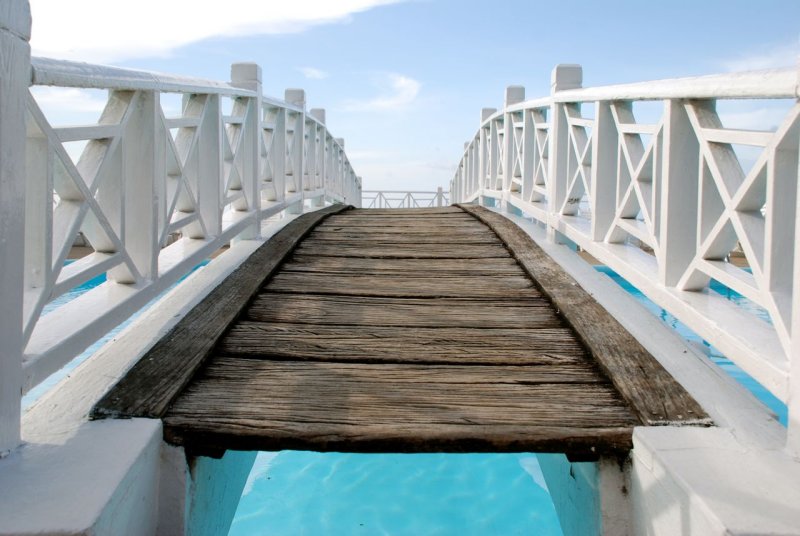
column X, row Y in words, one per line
column 400, row 408
column 399, row 287
column 348, row 237
column 402, row 332
column 390, row 250
column 152, row 384
column 430, row 267
column 373, row 311
column 413, row 212
column 556, row 347
column 650, row 390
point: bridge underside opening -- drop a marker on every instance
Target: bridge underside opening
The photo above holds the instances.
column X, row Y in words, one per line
column 418, row 330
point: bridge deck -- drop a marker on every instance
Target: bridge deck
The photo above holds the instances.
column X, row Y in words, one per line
column 402, row 331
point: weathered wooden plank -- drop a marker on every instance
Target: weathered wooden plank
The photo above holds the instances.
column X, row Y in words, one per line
column 407, row 221
column 398, row 267
column 431, row 267
column 650, row 390
column 351, row 237
column 389, row 250
column 400, row 287
column 378, row 344
column 365, row 229
column 151, row 385
column 413, row 212
column 244, row 403
column 372, row 311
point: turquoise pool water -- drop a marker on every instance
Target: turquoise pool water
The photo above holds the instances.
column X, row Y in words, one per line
column 297, row 493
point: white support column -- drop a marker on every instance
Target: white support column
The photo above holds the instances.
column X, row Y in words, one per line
column 210, row 167
column 679, row 194
column 143, row 166
column 563, row 77
column 605, row 145
column 793, row 434
column 514, row 95
column 296, row 97
column 339, row 162
column 484, row 156
column 320, row 154
column 248, row 76
column 15, row 31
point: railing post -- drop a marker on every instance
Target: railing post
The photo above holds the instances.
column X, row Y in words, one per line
column 209, row 164
column 793, row 403
column 143, row 165
column 248, row 76
column 15, row 28
column 439, row 197
column 296, row 97
column 484, row 156
column 680, row 155
column 563, row 77
column 605, row 149
column 319, row 156
column 514, row 95
column 339, row 172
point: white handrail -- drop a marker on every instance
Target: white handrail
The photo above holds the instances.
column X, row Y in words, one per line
column 153, row 194
column 404, row 198
column 664, row 204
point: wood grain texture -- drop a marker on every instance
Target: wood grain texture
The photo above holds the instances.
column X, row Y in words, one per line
column 374, row 311
column 411, row 267
column 398, row 287
column 399, row 408
column 156, row 379
column 393, row 331
column 553, row 346
column 391, row 250
column 650, row 390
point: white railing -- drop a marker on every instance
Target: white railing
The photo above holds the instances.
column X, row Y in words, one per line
column 404, row 199
column 153, row 193
column 664, row 202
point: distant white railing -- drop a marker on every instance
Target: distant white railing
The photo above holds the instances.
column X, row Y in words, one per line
column 153, row 193
column 663, row 203
column 404, row 199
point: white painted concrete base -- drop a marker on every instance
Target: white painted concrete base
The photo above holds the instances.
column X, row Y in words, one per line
column 117, row 477
column 736, row 478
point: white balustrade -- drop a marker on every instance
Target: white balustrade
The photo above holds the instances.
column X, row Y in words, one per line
column 154, row 194
column 404, row 199
column 663, row 203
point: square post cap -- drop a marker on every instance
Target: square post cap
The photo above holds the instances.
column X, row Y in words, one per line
column 486, row 113
column 514, row 95
column 566, row 76
column 340, row 141
column 318, row 114
column 245, row 72
column 295, row 96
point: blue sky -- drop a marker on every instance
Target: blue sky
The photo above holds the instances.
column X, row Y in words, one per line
column 403, row 82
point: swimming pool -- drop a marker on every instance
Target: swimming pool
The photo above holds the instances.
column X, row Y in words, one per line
column 294, row 493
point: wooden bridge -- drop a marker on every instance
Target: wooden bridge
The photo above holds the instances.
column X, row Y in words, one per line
column 416, row 330
column 403, row 330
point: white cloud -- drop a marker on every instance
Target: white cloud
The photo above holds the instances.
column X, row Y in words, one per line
column 313, row 73
column 108, row 31
column 398, row 91
column 765, row 57
column 62, row 99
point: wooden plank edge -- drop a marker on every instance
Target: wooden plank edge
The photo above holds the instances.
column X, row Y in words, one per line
column 118, row 403
column 576, row 443
column 513, row 238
